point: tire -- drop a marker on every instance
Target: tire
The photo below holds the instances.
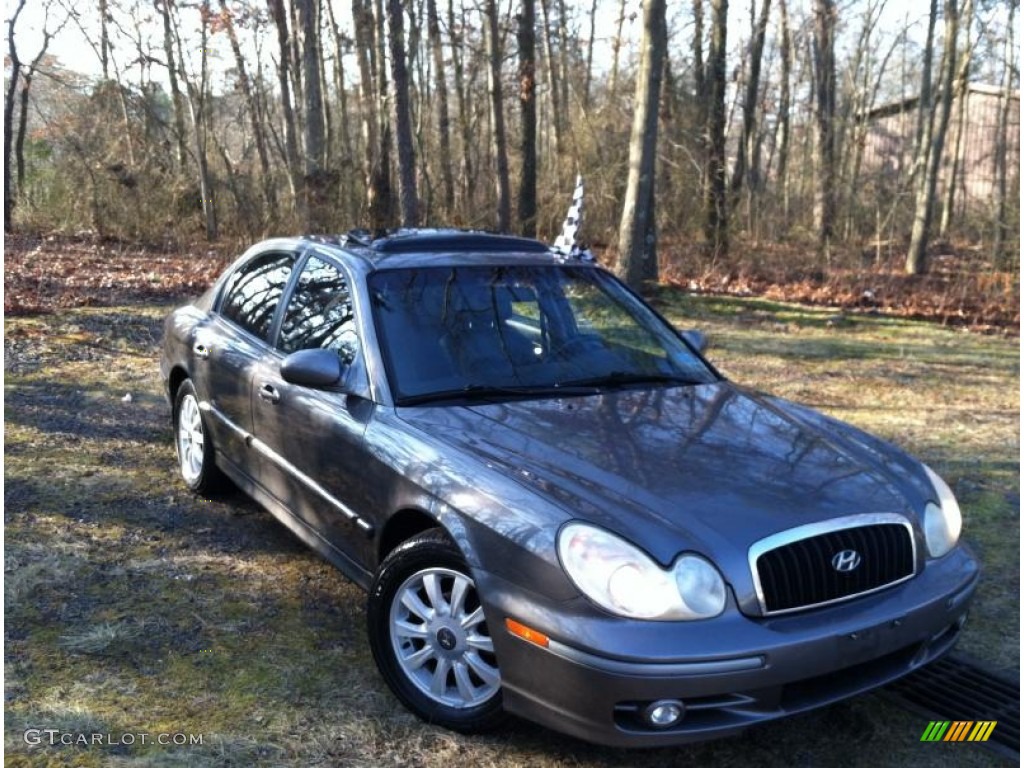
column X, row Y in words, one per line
column 434, row 652
column 192, row 443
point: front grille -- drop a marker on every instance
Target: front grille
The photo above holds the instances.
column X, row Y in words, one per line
column 795, row 570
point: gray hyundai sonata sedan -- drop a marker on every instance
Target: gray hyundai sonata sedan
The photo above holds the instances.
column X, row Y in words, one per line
column 559, row 508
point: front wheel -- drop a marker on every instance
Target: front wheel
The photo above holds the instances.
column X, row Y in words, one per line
column 429, row 637
column 192, row 442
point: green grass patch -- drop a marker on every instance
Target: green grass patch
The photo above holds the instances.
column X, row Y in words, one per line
column 134, row 607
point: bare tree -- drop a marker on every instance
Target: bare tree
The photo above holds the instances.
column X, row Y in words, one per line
column 939, row 120
column 1002, row 228
column 638, row 257
column 317, row 180
column 823, row 48
column 12, row 89
column 551, row 59
column 30, row 72
column 715, row 210
column 403, row 118
column 962, row 80
column 613, row 88
column 199, row 104
column 291, row 144
column 526, row 35
column 743, row 170
column 255, row 123
column 177, row 103
column 466, row 166
column 588, row 74
column 443, row 120
column 498, row 145
column 785, row 76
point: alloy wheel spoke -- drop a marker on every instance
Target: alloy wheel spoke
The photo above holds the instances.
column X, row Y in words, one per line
column 408, row 629
column 484, row 671
column 458, row 599
column 463, row 682
column 419, row 658
column 480, row 643
column 416, row 606
column 439, row 682
column 432, row 585
column 472, row 619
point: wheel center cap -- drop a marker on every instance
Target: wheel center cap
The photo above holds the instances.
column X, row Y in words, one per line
column 446, row 639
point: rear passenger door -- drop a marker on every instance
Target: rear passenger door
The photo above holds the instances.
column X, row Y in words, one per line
column 231, row 344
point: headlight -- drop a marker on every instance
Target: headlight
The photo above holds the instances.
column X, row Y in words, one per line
column 623, row 580
column 942, row 521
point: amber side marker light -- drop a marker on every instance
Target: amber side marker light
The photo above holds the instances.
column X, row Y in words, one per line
column 523, row 631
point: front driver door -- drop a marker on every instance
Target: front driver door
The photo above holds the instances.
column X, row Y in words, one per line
column 312, row 438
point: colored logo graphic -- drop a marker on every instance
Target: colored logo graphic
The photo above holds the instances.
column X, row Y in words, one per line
column 959, row 730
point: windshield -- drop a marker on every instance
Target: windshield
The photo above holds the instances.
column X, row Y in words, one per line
column 521, row 330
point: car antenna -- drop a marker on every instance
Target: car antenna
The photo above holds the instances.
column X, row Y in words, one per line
column 565, row 243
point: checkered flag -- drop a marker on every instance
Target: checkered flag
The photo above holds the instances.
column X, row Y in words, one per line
column 566, row 242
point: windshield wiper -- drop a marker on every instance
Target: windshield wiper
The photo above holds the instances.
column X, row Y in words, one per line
column 491, row 391
column 625, row 378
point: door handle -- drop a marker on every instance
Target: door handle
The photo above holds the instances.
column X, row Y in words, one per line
column 269, row 393
column 201, row 351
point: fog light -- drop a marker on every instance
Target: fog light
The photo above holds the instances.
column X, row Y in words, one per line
column 664, row 713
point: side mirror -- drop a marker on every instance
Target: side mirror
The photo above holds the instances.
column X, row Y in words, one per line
column 312, row 368
column 696, row 339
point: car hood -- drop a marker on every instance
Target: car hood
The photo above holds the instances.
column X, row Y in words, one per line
column 710, row 468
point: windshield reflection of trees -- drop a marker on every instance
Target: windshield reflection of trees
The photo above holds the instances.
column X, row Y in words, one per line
column 453, row 327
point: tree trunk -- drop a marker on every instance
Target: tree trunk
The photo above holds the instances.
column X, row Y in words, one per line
column 382, row 208
column 613, row 88
column 284, row 84
column 554, row 91
column 715, row 210
column 528, row 114
column 700, row 96
column 104, row 40
column 443, row 120
column 743, row 170
column 378, row 191
column 12, row 89
column 466, row 169
column 949, row 198
column 925, row 112
column 255, row 124
column 1002, row 228
column 339, row 84
column 317, row 180
column 19, row 142
column 177, row 103
column 498, row 145
column 786, row 55
column 638, row 257
column 198, row 102
column 824, row 117
column 408, row 202
column 588, row 76
column 925, row 203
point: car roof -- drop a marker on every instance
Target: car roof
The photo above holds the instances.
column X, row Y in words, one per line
column 439, row 247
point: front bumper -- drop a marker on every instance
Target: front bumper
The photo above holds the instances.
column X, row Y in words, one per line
column 598, row 673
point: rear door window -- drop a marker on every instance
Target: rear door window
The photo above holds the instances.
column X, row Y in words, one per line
column 254, row 291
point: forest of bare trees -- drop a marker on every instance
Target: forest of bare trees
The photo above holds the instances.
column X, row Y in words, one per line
column 852, row 130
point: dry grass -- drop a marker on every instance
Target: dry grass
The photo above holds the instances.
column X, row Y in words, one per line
column 133, row 607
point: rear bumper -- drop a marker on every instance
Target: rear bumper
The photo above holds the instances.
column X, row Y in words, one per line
column 750, row 670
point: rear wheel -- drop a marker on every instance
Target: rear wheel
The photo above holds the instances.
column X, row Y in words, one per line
column 429, row 637
column 192, row 442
